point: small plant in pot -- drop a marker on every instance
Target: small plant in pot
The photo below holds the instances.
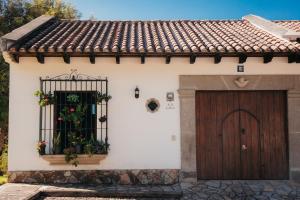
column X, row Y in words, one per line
column 71, row 156
column 57, row 143
column 95, row 147
column 41, row 147
column 76, row 141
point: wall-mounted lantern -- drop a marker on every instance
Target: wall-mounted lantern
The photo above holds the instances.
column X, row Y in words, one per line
column 137, row 93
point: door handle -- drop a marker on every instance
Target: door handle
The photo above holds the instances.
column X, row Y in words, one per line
column 244, row 147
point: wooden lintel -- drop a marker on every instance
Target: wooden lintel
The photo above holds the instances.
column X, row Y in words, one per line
column 118, row 59
column 15, row 58
column 40, row 58
column 218, row 58
column 92, row 58
column 66, row 58
column 268, row 57
column 242, row 58
column 143, row 59
column 192, row 59
column 168, row 59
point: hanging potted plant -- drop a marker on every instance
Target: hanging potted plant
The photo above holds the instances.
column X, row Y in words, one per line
column 102, row 97
column 45, row 99
column 102, row 118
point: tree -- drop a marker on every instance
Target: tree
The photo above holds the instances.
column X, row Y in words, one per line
column 15, row 13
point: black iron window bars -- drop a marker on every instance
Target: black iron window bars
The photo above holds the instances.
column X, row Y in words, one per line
column 91, row 93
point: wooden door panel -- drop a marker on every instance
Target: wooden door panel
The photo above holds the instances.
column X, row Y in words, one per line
column 231, row 147
column 210, row 112
column 274, row 137
column 219, row 138
column 250, row 146
column 205, row 139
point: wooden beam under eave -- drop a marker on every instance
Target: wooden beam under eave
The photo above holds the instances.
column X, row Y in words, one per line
column 297, row 58
column 168, row 59
column 16, row 58
column 92, row 58
column 66, row 58
column 268, row 58
column 40, row 58
column 292, row 58
column 118, row 59
column 218, row 58
column 192, row 59
column 242, row 58
column 143, row 58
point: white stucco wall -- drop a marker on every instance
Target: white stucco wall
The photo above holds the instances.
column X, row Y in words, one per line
column 139, row 139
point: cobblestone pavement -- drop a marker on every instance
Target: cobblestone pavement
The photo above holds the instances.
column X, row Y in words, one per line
column 208, row 190
column 78, row 198
column 241, row 190
column 92, row 198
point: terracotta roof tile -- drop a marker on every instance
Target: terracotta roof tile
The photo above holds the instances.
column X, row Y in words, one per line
column 157, row 37
column 290, row 24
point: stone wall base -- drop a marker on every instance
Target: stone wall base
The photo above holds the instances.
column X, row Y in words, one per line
column 122, row 177
column 295, row 175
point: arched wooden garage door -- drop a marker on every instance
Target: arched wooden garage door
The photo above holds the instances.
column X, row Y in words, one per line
column 241, row 135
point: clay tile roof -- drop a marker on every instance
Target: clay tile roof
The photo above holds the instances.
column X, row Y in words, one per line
column 155, row 37
column 290, row 24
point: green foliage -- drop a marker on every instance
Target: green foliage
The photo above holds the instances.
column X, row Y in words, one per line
column 41, row 147
column 73, row 115
column 95, row 147
column 15, row 13
column 71, row 156
column 56, row 8
column 4, row 160
column 73, row 98
column 75, row 140
column 100, row 97
column 45, row 99
column 4, row 77
column 3, row 179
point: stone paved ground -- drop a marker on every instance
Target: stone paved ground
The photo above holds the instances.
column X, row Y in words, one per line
column 210, row 190
column 241, row 190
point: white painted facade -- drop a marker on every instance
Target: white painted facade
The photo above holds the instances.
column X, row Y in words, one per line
column 138, row 139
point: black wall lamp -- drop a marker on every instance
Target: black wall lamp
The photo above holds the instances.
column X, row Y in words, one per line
column 137, row 93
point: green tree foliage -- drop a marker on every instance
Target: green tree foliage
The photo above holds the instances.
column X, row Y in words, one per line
column 3, row 95
column 4, row 160
column 15, row 13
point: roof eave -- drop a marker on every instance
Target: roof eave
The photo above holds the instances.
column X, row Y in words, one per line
column 7, row 40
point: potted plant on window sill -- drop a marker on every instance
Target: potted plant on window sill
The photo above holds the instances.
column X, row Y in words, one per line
column 41, row 147
column 79, row 150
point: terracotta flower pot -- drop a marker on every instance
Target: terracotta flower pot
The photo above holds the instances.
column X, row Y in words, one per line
column 78, row 148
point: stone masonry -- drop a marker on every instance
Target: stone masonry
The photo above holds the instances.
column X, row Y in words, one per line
column 110, row 177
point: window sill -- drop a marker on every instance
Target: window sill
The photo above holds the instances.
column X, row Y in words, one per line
column 82, row 159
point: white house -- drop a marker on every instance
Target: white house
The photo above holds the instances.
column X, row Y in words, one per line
column 217, row 99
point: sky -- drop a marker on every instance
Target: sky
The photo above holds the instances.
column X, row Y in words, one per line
column 186, row 9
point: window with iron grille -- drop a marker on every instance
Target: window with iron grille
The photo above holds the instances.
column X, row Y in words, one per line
column 73, row 111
